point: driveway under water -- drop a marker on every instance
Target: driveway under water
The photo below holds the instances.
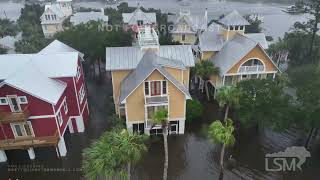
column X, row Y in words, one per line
column 191, row 156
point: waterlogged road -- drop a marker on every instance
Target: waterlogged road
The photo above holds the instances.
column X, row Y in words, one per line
column 191, row 156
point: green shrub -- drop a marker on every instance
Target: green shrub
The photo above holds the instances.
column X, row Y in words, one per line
column 194, row 110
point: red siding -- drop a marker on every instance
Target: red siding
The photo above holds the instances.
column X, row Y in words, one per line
column 44, row 127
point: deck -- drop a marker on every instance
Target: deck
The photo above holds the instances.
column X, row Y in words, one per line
column 11, row 117
column 27, row 142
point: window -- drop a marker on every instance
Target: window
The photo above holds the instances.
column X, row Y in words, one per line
column 22, row 129
column 3, row 101
column 146, row 88
column 236, row 28
column 183, row 37
column 164, row 87
column 78, row 73
column 138, row 128
column 48, row 17
column 59, row 118
column 52, row 17
column 155, row 88
column 231, row 28
column 23, row 100
column 140, row 22
column 82, row 94
column 65, row 106
column 152, row 109
column 241, row 28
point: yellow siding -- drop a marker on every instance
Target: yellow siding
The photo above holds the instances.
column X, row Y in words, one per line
column 190, row 38
column 117, row 77
column 135, row 105
column 228, row 35
column 257, row 52
column 177, row 73
column 208, row 54
column 186, row 76
column 176, row 103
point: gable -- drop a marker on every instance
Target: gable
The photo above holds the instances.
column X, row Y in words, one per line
column 257, row 53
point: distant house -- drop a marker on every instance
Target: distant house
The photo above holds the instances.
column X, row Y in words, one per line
column 85, row 17
column 138, row 18
column 150, row 77
column 8, row 42
column 42, row 96
column 187, row 27
column 238, row 55
column 54, row 15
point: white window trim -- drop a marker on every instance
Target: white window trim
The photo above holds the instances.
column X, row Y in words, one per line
column 78, row 73
column 10, row 104
column 26, row 100
column 161, row 88
column 82, row 94
column 65, row 106
column 4, row 98
column 23, row 129
column 60, row 118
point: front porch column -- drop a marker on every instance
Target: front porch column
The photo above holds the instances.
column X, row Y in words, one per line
column 129, row 127
column 80, row 124
column 61, row 148
column 274, row 76
column 181, row 126
column 31, row 153
column 70, row 126
column 3, row 156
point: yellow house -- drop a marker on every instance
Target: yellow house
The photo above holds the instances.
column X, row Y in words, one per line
column 149, row 77
column 187, row 27
column 238, row 55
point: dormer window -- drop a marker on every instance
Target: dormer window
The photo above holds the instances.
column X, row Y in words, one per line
column 140, row 22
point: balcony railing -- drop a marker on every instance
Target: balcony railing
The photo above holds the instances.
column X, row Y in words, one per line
column 156, row 99
column 29, row 141
column 11, row 117
column 147, row 36
column 251, row 69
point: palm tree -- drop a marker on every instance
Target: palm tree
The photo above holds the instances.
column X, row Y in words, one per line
column 228, row 96
column 112, row 154
column 205, row 69
column 222, row 134
column 160, row 117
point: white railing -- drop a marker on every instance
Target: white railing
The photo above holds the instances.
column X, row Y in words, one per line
column 147, row 36
column 250, row 69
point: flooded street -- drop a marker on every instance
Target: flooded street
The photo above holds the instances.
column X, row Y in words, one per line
column 191, row 156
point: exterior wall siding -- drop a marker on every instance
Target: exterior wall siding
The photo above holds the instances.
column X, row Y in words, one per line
column 189, row 38
column 208, row 54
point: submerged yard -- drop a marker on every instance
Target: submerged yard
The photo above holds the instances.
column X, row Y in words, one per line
column 191, row 156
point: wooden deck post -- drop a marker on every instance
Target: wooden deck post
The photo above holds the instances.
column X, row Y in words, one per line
column 3, row 156
column 31, row 153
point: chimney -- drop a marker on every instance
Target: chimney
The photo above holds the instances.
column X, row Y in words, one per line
column 206, row 17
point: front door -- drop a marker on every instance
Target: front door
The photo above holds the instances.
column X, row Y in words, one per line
column 14, row 103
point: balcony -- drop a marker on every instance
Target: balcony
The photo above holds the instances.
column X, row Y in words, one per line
column 251, row 69
column 11, row 117
column 156, row 99
column 148, row 37
column 29, row 141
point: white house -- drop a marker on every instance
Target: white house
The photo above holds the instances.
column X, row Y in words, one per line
column 85, row 17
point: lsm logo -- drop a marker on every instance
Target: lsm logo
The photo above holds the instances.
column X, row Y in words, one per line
column 289, row 160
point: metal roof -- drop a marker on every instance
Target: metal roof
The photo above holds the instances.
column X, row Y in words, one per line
column 30, row 80
column 259, row 38
column 195, row 22
column 211, row 41
column 232, row 52
column 138, row 14
column 125, row 58
column 57, row 46
column 234, row 19
column 85, row 17
column 148, row 64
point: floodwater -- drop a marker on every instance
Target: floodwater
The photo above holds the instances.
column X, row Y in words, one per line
column 276, row 22
column 191, row 156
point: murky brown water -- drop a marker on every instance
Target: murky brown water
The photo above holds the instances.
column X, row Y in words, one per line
column 191, row 156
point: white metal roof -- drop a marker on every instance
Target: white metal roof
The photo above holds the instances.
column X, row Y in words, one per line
column 64, row 0
column 8, row 42
column 259, row 38
column 123, row 58
column 52, row 65
column 234, row 19
column 85, row 17
column 194, row 21
column 58, row 47
column 30, row 80
column 138, row 14
column 211, row 41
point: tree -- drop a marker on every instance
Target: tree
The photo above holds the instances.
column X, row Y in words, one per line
column 266, row 103
column 228, row 96
column 7, row 28
column 3, row 50
column 194, row 110
column 112, row 154
column 160, row 117
column 255, row 25
column 205, row 69
column 222, row 133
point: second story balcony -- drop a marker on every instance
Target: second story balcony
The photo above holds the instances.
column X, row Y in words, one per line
column 11, row 117
column 156, row 99
column 251, row 69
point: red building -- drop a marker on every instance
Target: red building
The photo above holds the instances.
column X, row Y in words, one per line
column 41, row 95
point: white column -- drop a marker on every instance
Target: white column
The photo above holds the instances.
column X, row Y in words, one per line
column 80, row 124
column 129, row 127
column 31, row 153
column 3, row 156
column 70, row 126
column 181, row 126
column 62, row 147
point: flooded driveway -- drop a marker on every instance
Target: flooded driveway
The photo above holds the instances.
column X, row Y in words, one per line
column 191, row 156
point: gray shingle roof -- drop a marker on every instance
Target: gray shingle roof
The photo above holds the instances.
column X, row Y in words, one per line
column 259, row 38
column 232, row 52
column 211, row 41
column 125, row 58
column 85, row 17
column 149, row 63
column 234, row 19
column 138, row 14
